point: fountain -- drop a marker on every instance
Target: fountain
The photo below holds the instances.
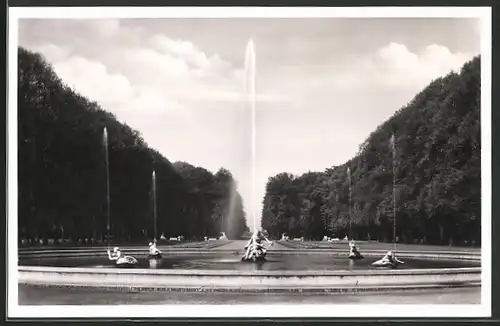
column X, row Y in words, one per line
column 116, row 256
column 230, row 216
column 154, row 253
column 350, row 201
column 393, row 150
column 220, row 269
column 216, row 266
column 250, row 97
column 154, row 205
column 108, row 199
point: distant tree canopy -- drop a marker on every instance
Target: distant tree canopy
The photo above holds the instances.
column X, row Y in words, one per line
column 62, row 172
column 437, row 170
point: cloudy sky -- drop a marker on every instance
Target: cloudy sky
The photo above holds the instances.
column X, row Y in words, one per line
column 322, row 84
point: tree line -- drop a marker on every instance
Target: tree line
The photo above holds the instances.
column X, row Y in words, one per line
column 437, row 171
column 62, row 190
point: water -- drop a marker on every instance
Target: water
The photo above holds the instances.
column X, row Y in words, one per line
column 154, row 204
column 108, row 199
column 250, row 97
column 231, row 210
column 233, row 262
column 350, row 201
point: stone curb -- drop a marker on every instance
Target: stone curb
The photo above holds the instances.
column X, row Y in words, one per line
column 127, row 288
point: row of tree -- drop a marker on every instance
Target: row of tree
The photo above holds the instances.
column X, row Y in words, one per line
column 62, row 178
column 437, row 171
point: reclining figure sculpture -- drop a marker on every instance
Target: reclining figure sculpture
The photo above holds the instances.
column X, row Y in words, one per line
column 389, row 260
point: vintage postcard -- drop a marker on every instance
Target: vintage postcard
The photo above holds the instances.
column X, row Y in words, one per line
column 261, row 162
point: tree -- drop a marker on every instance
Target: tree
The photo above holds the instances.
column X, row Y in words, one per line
column 438, row 175
column 62, row 170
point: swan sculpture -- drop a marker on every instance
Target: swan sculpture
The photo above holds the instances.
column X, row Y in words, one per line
column 389, row 260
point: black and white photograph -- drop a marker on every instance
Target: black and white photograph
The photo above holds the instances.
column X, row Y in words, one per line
column 253, row 162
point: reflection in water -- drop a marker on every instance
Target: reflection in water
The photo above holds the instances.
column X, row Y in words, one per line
column 225, row 260
column 259, row 265
column 154, row 263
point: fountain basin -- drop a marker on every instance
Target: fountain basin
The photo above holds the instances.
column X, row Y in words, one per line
column 285, row 271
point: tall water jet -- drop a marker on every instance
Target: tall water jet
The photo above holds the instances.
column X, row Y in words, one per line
column 154, row 205
column 250, row 97
column 108, row 205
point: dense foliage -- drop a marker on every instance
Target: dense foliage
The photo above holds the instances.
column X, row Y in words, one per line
column 437, row 172
column 62, row 172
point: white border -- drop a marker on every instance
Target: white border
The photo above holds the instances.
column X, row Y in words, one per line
column 285, row 310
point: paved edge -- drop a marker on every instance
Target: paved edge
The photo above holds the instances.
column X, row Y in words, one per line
column 234, row 273
column 312, row 290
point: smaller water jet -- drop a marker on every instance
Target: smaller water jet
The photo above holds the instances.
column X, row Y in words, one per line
column 393, row 150
column 154, row 253
column 350, row 202
column 108, row 205
column 116, row 255
column 154, row 205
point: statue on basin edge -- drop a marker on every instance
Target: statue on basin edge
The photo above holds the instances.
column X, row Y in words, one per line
column 121, row 260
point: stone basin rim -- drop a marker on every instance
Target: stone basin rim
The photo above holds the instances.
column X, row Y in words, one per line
column 257, row 273
column 274, row 289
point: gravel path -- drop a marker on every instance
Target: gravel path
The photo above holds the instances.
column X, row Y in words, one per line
column 29, row 295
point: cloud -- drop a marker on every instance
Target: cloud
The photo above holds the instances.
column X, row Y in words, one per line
column 185, row 50
column 51, row 52
column 149, row 67
column 161, row 77
column 131, row 102
column 92, row 79
column 396, row 66
column 105, row 28
column 392, row 68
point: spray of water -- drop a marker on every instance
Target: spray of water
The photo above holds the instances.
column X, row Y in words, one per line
column 230, row 225
column 108, row 200
column 250, row 97
column 154, row 205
